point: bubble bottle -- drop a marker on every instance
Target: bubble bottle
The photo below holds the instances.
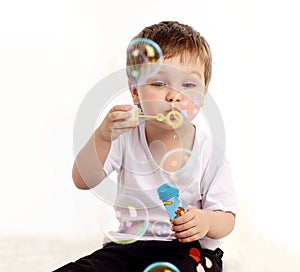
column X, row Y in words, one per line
column 169, row 195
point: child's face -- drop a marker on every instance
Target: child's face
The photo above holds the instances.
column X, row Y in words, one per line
column 176, row 86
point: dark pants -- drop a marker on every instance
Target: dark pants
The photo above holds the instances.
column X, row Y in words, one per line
column 137, row 256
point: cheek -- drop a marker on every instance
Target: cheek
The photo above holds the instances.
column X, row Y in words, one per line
column 151, row 96
column 151, row 101
column 189, row 109
column 152, row 106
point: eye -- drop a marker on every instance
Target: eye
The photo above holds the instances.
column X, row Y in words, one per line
column 158, row 83
column 189, row 85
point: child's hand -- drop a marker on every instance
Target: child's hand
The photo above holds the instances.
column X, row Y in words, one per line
column 192, row 225
column 116, row 122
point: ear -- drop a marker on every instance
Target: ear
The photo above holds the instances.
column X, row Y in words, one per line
column 203, row 95
column 134, row 94
column 205, row 90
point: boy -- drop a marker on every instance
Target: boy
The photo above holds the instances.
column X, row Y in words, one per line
column 141, row 151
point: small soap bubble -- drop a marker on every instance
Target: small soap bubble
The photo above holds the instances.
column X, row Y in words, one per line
column 144, row 59
column 161, row 229
column 161, row 267
column 178, row 165
column 127, row 222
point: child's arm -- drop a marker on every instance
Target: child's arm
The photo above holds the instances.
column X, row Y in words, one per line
column 197, row 223
column 88, row 166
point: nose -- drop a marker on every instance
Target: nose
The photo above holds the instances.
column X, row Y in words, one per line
column 173, row 96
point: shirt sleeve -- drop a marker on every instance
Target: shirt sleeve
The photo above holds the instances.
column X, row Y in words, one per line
column 220, row 193
column 114, row 158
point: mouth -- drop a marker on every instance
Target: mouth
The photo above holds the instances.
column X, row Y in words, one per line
column 174, row 109
column 174, row 117
column 174, row 113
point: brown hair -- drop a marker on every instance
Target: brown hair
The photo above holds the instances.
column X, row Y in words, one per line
column 176, row 39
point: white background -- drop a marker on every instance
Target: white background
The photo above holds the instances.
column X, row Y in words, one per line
column 53, row 52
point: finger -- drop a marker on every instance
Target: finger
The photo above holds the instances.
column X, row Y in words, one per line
column 185, row 226
column 119, row 115
column 190, row 238
column 118, row 132
column 125, row 125
column 188, row 216
column 190, row 235
column 186, row 233
column 125, row 107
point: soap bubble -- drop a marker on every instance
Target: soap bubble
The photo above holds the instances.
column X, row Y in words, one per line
column 127, row 222
column 179, row 165
column 161, row 267
column 161, row 229
column 144, row 60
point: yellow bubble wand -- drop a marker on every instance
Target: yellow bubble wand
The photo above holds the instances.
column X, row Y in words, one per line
column 160, row 117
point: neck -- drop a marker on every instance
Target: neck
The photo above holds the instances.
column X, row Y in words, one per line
column 162, row 141
column 171, row 138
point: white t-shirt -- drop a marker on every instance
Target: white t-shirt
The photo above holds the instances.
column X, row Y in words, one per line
column 204, row 182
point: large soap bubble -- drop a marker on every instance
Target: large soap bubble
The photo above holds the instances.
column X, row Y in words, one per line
column 129, row 221
column 144, row 60
column 179, row 166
